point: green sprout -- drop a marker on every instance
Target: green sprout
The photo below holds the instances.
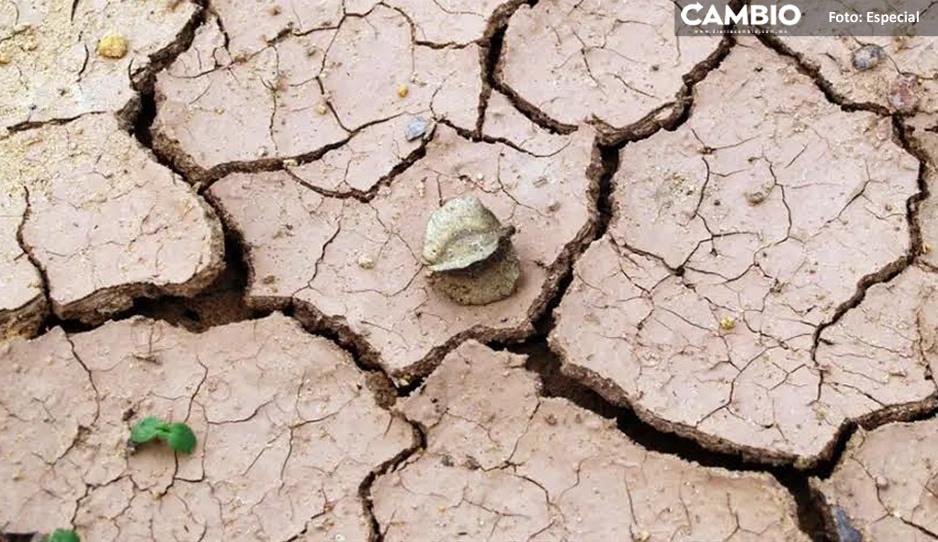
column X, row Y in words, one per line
column 178, row 435
column 62, row 535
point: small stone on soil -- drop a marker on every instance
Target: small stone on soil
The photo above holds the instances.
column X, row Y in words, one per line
column 112, row 45
column 868, row 57
column 416, row 129
column 903, row 93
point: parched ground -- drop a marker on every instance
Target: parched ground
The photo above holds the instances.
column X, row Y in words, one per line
column 715, row 302
column 213, row 212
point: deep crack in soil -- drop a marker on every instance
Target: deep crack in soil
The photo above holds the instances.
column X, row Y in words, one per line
column 814, row 73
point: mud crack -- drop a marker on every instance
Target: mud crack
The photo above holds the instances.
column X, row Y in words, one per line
column 812, row 70
column 500, row 438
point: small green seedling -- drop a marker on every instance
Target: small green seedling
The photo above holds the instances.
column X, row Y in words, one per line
column 62, row 535
column 178, row 435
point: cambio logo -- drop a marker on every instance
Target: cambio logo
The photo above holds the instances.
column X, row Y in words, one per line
column 787, row 14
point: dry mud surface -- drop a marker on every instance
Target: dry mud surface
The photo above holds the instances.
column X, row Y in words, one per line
column 503, row 463
column 286, row 423
column 725, row 325
column 709, row 303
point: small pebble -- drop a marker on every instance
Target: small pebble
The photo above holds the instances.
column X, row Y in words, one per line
column 727, row 323
column 402, row 91
column 755, row 198
column 416, row 129
column 112, row 45
column 903, row 93
column 290, row 162
column 867, row 57
column 5, row 58
column 365, row 262
column 322, row 109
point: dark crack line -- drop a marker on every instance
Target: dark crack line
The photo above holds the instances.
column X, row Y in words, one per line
column 813, row 71
column 490, row 51
column 916, row 244
column 492, row 66
column 30, row 125
column 27, row 250
column 667, row 116
column 365, row 196
column 364, row 490
column 483, row 138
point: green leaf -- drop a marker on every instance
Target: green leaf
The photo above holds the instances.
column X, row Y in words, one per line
column 148, row 428
column 180, row 438
column 63, row 535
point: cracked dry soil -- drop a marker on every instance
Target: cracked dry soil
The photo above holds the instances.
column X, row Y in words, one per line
column 726, row 325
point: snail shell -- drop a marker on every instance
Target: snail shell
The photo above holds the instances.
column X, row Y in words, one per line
column 461, row 233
